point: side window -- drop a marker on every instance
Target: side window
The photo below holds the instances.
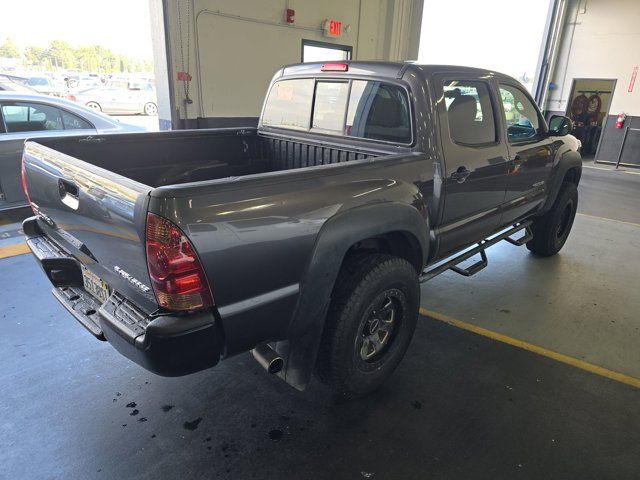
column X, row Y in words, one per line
column 330, row 107
column 119, row 84
column 469, row 112
column 522, row 116
column 289, row 104
column 31, row 117
column 73, row 122
column 378, row 111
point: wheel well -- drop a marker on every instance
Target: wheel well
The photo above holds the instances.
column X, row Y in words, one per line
column 572, row 176
column 399, row 244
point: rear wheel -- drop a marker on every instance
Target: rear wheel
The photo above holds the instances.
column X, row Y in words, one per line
column 94, row 106
column 550, row 231
column 150, row 109
column 370, row 323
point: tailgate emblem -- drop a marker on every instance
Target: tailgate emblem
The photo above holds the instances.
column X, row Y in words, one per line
column 131, row 279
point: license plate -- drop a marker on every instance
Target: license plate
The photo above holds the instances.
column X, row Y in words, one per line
column 95, row 285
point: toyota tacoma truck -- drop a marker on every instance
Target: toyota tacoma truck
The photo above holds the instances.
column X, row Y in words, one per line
column 305, row 239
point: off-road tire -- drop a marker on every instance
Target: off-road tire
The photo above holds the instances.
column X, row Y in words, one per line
column 551, row 230
column 364, row 279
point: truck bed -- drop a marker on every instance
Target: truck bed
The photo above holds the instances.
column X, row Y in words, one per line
column 170, row 158
column 97, row 189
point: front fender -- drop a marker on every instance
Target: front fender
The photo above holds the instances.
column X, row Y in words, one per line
column 334, row 239
column 567, row 159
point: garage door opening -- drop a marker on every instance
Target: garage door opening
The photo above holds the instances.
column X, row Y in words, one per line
column 313, row 51
column 588, row 108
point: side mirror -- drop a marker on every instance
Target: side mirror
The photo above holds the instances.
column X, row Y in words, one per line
column 560, row 125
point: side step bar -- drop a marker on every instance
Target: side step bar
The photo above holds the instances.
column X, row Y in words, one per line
column 428, row 273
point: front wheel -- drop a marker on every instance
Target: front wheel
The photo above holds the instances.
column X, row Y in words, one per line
column 371, row 319
column 94, row 106
column 551, row 230
column 150, row 109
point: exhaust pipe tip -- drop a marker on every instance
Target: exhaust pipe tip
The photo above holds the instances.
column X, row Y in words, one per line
column 268, row 358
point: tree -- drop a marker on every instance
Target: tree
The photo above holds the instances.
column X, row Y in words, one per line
column 9, row 49
column 33, row 56
column 61, row 55
column 88, row 59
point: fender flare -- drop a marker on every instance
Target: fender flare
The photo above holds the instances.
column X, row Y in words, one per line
column 333, row 241
column 568, row 160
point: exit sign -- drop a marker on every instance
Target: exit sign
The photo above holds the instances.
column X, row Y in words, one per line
column 332, row 28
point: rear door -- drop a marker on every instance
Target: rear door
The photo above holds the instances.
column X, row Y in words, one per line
column 531, row 152
column 476, row 157
column 19, row 121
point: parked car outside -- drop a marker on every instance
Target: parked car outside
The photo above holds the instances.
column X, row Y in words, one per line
column 118, row 97
column 47, row 86
column 24, row 115
column 84, row 82
column 11, row 83
column 77, row 83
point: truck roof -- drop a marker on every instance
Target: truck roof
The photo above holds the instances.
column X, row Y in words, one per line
column 378, row 69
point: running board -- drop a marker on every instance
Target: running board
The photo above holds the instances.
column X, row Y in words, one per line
column 428, row 273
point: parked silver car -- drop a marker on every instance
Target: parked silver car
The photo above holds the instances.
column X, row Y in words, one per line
column 12, row 83
column 33, row 115
column 47, row 86
column 119, row 97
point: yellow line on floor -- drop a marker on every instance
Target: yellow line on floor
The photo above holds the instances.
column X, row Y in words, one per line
column 559, row 357
column 599, row 168
column 612, row 169
column 13, row 250
column 608, row 219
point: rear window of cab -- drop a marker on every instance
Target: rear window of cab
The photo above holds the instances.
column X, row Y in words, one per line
column 352, row 108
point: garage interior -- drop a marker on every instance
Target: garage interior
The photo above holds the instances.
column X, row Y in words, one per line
column 529, row 369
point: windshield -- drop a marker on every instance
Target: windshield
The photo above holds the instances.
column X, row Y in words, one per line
column 38, row 81
column 11, row 85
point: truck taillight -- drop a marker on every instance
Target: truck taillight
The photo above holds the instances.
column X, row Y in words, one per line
column 177, row 276
column 23, row 174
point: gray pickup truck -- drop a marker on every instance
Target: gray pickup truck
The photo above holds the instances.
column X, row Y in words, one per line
column 305, row 239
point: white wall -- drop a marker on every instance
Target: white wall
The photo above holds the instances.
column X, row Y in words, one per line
column 234, row 47
column 601, row 39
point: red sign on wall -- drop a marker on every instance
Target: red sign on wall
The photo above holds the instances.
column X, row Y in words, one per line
column 632, row 82
column 332, row 28
column 335, row 27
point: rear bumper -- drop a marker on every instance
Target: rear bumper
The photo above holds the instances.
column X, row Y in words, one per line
column 169, row 345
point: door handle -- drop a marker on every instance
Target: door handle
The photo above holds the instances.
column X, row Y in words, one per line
column 68, row 193
column 65, row 187
column 460, row 175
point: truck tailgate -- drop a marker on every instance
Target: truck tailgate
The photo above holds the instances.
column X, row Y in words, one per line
column 95, row 215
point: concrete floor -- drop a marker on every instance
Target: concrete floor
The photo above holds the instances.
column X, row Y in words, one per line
column 459, row 406
column 583, row 302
